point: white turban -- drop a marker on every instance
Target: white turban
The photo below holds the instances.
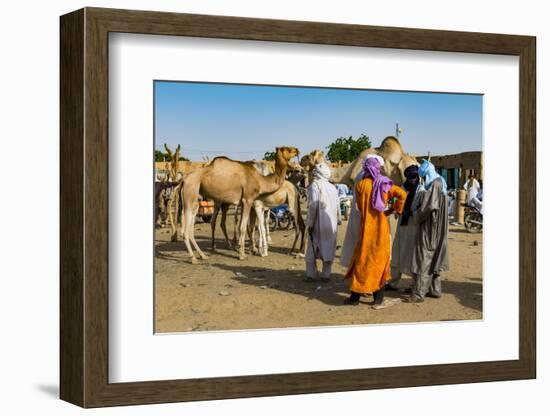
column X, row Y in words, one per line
column 377, row 157
column 321, row 173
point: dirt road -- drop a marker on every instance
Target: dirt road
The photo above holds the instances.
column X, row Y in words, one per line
column 224, row 293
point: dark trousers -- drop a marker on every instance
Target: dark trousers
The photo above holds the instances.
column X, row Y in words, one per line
column 378, row 296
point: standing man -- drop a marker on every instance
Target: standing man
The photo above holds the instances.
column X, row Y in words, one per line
column 472, row 187
column 406, row 234
column 322, row 223
column 430, row 255
column 370, row 265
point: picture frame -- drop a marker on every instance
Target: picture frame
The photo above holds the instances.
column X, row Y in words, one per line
column 84, row 172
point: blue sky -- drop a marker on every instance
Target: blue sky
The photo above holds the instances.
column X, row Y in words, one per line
column 245, row 121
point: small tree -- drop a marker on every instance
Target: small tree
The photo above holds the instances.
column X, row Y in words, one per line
column 269, row 156
column 347, row 149
column 161, row 157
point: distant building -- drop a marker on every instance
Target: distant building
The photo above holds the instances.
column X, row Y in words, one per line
column 456, row 168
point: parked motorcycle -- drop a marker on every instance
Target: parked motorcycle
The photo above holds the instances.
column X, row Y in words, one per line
column 473, row 219
column 279, row 218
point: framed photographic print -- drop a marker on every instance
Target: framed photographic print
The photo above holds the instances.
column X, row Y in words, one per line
column 255, row 207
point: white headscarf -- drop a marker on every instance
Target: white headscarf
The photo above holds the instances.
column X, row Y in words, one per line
column 377, row 157
column 321, row 173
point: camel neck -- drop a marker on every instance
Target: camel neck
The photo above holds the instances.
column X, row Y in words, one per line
column 273, row 182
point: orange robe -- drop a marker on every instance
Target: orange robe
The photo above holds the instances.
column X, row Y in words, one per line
column 370, row 265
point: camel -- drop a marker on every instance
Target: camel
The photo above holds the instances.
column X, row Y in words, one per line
column 395, row 158
column 227, row 181
column 174, row 183
column 167, row 188
column 264, row 170
column 287, row 194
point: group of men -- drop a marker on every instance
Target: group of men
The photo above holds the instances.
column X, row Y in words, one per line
column 375, row 265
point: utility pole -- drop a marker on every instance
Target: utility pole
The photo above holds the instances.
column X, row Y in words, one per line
column 398, row 130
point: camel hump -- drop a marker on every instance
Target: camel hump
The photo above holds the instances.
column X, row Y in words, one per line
column 390, row 143
column 217, row 158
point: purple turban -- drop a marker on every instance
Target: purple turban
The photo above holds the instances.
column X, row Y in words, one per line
column 380, row 183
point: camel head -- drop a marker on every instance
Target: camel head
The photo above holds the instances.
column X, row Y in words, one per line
column 173, row 162
column 295, row 167
column 286, row 153
column 311, row 159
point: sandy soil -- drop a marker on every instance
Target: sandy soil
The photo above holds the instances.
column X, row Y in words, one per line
column 224, row 293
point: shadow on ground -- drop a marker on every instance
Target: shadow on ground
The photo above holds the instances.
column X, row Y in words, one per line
column 335, row 292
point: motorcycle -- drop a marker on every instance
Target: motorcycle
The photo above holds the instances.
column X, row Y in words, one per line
column 473, row 219
column 279, row 218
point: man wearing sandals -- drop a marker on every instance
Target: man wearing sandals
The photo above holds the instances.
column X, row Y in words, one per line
column 406, row 234
column 322, row 223
column 369, row 269
column 430, row 255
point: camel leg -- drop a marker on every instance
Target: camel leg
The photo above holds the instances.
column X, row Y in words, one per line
column 242, row 227
column 213, row 225
column 190, row 212
column 225, row 208
column 252, row 231
column 296, row 230
column 192, row 234
column 174, row 236
column 236, row 221
column 266, row 222
column 260, row 214
column 177, row 203
column 299, row 224
column 180, row 211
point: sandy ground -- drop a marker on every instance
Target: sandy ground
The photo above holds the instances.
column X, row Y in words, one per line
column 224, row 293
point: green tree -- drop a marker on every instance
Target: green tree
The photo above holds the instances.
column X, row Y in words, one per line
column 269, row 156
column 347, row 149
column 161, row 157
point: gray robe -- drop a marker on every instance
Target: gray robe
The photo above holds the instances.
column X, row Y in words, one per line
column 323, row 221
column 404, row 241
column 430, row 255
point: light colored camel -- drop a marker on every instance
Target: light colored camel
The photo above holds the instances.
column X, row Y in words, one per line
column 287, row 194
column 264, row 170
column 174, row 183
column 226, row 181
column 395, row 163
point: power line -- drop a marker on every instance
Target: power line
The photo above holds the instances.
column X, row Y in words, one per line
column 219, row 151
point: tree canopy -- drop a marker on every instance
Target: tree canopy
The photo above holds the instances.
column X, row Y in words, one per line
column 347, row 149
column 161, row 157
column 269, row 156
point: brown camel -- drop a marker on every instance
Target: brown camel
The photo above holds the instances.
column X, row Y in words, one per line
column 287, row 194
column 395, row 163
column 226, row 181
column 173, row 185
column 264, row 170
column 166, row 190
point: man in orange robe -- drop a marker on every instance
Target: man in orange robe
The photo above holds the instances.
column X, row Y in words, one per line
column 370, row 265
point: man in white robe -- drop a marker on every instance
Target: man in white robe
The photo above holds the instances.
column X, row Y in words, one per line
column 322, row 223
column 473, row 187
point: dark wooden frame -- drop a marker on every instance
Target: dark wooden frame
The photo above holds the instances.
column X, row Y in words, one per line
column 84, row 207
